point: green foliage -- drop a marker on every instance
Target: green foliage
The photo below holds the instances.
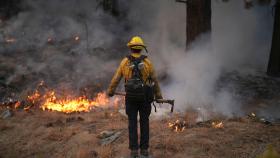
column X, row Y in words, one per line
column 270, row 152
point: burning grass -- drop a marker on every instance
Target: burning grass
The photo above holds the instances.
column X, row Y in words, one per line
column 80, row 104
column 48, row 100
column 217, row 124
column 177, row 126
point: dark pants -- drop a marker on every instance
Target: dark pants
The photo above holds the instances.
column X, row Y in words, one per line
column 144, row 110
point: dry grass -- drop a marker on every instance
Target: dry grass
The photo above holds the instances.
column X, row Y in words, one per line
column 49, row 134
column 106, row 152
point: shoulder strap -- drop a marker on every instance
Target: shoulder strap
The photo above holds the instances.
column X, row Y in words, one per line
column 135, row 71
column 142, row 57
column 138, row 60
column 130, row 58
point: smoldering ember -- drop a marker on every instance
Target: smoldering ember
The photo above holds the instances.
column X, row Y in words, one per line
column 203, row 76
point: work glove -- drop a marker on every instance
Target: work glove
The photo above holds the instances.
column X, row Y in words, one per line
column 158, row 96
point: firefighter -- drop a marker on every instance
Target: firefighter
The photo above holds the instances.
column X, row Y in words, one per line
column 142, row 87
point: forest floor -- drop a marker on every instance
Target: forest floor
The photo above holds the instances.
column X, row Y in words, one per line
column 41, row 134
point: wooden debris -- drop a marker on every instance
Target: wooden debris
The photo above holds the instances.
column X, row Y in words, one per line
column 6, row 114
column 256, row 118
column 108, row 137
column 105, row 134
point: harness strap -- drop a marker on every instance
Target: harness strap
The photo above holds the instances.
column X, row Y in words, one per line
column 155, row 106
column 136, row 72
column 132, row 58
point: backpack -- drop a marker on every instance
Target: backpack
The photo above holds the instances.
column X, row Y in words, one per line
column 137, row 91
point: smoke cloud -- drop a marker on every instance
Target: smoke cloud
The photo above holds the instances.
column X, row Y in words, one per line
column 240, row 41
column 71, row 44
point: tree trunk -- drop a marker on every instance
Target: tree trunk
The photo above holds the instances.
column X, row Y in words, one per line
column 111, row 6
column 9, row 8
column 198, row 19
column 274, row 59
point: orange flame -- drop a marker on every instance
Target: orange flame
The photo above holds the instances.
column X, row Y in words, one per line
column 10, row 40
column 34, row 97
column 50, row 101
column 17, row 104
column 217, row 124
column 177, row 126
column 77, row 38
column 80, row 104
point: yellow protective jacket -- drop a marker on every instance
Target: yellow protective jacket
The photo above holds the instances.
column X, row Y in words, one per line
column 124, row 70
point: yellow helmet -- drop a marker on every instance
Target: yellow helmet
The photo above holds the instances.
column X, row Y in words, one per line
column 136, row 43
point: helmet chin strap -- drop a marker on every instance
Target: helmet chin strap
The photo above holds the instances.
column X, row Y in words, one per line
column 143, row 47
column 146, row 50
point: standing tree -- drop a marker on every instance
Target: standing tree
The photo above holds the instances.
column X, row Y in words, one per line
column 198, row 18
column 111, row 6
column 199, row 21
column 8, row 8
column 274, row 60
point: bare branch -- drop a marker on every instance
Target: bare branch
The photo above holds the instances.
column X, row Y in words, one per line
column 182, row 1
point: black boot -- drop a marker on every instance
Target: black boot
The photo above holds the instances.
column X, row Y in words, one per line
column 144, row 153
column 134, row 154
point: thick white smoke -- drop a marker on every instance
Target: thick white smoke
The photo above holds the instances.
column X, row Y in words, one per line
column 240, row 40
